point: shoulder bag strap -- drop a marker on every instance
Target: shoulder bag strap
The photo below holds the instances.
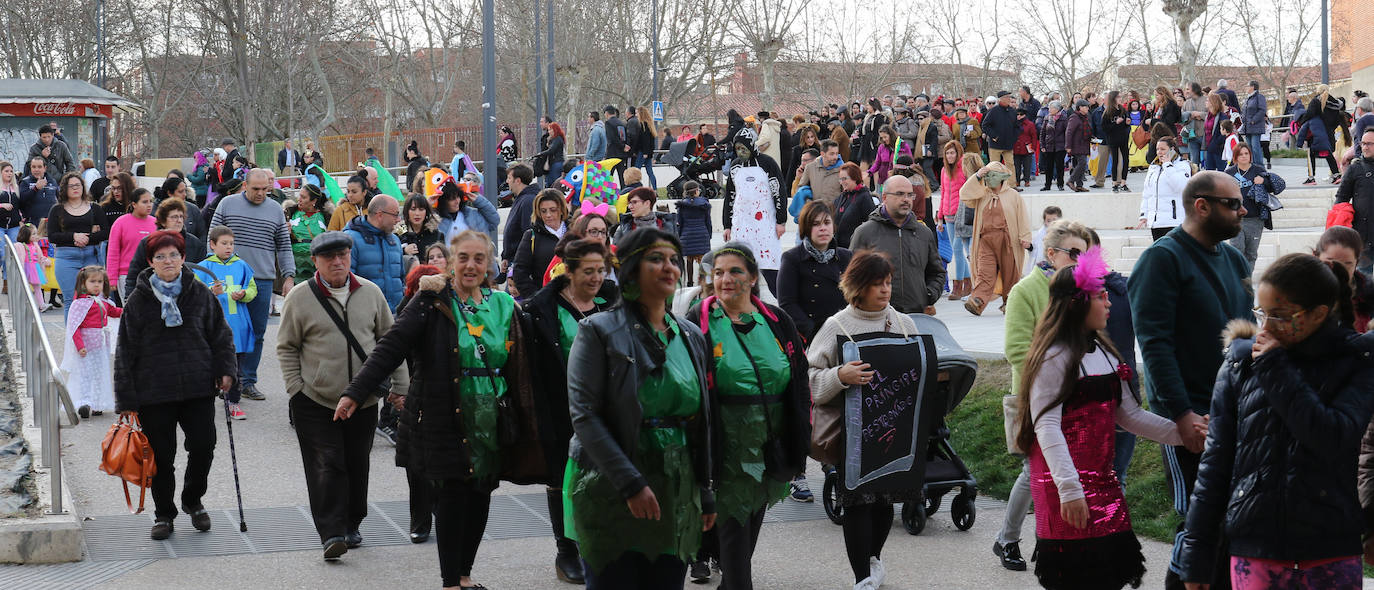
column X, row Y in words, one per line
column 481, row 349
column 338, row 321
column 763, row 396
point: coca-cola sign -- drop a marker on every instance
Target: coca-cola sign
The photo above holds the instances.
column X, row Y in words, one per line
column 55, row 108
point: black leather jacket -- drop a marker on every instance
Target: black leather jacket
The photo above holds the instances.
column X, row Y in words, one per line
column 613, row 355
column 1282, row 450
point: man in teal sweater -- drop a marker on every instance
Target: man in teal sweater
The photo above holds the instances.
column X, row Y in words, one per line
column 1183, row 291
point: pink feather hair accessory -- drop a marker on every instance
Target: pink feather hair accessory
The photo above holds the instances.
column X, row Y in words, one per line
column 1090, row 274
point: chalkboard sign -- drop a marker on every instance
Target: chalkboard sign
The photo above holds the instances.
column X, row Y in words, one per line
column 884, row 430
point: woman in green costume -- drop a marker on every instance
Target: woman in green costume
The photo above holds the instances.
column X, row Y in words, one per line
column 307, row 217
column 578, row 293
column 466, row 347
column 637, row 484
column 759, row 379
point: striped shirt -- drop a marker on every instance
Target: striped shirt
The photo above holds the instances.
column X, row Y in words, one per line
column 261, row 235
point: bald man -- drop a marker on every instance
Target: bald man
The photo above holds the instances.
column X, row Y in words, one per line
column 918, row 275
column 1183, row 291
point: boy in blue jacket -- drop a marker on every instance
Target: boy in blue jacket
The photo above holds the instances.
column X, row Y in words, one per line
column 231, row 279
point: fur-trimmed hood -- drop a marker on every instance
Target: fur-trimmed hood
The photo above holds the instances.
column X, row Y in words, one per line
column 1239, row 330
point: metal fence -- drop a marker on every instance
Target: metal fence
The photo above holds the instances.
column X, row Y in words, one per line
column 43, row 380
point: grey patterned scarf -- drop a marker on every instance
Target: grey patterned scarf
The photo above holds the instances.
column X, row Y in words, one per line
column 167, row 293
column 821, row 256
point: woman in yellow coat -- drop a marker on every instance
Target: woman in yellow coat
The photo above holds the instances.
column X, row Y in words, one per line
column 1001, row 230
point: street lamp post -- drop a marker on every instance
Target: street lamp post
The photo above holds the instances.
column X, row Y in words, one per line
column 490, row 183
column 1326, row 51
column 548, row 63
column 653, row 24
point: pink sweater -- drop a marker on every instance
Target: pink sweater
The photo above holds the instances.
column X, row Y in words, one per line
column 949, row 191
column 127, row 231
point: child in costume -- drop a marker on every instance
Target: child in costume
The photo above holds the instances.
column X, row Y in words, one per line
column 87, row 348
column 231, row 279
column 36, row 261
column 1073, row 394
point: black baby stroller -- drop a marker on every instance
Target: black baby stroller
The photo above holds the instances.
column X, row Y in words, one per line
column 682, row 155
column 944, row 470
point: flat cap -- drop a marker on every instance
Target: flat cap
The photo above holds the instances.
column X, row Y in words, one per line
column 330, row 241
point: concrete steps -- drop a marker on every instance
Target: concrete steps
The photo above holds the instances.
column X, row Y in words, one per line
column 1123, row 247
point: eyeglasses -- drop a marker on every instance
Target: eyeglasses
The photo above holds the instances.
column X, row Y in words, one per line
column 898, row 194
column 169, row 257
column 596, row 232
column 391, row 213
column 1280, row 323
column 1073, row 253
column 1227, row 202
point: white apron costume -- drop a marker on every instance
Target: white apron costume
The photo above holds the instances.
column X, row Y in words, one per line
column 753, row 220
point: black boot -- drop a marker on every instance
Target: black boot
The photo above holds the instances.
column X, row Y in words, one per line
column 567, row 565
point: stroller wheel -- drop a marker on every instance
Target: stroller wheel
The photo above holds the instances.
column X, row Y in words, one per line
column 833, row 510
column 933, row 504
column 914, row 517
column 963, row 511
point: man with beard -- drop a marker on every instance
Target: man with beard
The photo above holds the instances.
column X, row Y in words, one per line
column 1183, row 291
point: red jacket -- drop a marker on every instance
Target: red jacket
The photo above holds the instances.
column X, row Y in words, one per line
column 96, row 317
column 1028, row 142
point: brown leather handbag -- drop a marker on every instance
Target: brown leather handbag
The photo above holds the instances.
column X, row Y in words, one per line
column 827, row 432
column 126, row 454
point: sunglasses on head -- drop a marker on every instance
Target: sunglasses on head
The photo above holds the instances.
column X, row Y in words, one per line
column 1227, row 202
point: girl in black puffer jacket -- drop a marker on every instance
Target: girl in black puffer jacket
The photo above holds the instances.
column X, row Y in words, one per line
column 1279, row 473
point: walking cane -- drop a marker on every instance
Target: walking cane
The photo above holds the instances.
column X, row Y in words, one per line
column 234, row 460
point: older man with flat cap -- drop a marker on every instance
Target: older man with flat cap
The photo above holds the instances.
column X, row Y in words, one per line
column 328, row 328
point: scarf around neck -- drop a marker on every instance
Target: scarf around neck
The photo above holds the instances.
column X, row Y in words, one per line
column 167, row 293
column 821, row 256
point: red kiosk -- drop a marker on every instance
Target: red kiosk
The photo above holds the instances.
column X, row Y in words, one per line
column 83, row 112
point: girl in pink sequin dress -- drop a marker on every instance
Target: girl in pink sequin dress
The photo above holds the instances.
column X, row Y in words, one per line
column 1073, row 395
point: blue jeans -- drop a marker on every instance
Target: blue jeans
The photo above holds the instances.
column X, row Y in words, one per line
column 959, row 250
column 1125, row 449
column 1195, row 151
column 258, row 309
column 13, row 234
column 555, row 173
column 1214, row 161
column 67, row 263
column 1366, row 262
column 646, row 164
column 1256, row 150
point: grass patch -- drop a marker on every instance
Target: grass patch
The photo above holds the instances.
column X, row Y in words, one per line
column 1280, row 153
column 977, row 435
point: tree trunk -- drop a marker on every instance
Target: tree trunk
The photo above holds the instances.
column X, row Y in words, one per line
column 1187, row 52
column 768, row 55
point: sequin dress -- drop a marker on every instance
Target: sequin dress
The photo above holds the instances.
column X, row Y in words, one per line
column 743, row 489
column 1078, row 464
column 595, row 513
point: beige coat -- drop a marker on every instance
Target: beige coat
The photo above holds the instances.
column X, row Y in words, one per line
column 975, row 195
column 314, row 354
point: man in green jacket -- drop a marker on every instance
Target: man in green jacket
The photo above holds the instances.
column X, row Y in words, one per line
column 1183, row 291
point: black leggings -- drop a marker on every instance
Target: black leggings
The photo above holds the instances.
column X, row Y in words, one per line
column 865, row 531
column 1121, row 160
column 1312, row 163
column 1052, row 163
column 460, row 520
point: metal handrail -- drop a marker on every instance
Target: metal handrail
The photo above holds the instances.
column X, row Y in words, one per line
column 44, row 383
column 395, row 169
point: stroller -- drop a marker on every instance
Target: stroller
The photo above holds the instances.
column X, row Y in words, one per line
column 945, row 471
column 682, row 155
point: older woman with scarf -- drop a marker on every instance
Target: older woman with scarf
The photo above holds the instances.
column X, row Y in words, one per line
column 175, row 349
column 466, row 346
column 637, row 486
column 1001, row 234
column 579, row 292
column 758, row 376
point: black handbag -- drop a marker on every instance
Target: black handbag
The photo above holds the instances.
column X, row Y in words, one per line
column 507, row 415
column 774, row 457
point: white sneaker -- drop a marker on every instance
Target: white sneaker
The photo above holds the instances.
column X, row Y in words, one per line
column 866, row 584
column 876, row 571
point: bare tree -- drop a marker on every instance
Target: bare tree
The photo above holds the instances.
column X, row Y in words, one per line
column 1277, row 36
column 1060, row 44
column 765, row 28
column 1184, row 12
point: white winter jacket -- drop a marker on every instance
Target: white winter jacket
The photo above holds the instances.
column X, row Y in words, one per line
column 1161, row 201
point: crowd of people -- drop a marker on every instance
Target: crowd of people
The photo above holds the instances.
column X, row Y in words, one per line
column 661, row 389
